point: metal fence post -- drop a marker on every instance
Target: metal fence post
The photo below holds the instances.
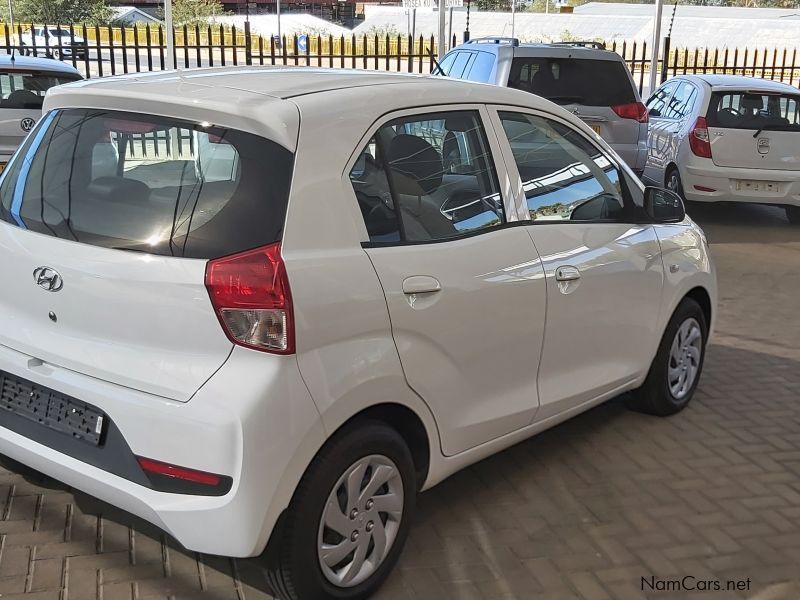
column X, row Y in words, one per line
column 665, row 60
column 248, row 48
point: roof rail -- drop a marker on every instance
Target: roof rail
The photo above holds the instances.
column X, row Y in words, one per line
column 495, row 40
column 582, row 44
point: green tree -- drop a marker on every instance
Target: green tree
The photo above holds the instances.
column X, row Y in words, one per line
column 59, row 11
column 194, row 12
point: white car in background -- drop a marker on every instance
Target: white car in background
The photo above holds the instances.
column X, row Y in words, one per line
column 24, row 81
column 53, row 42
column 726, row 138
column 244, row 335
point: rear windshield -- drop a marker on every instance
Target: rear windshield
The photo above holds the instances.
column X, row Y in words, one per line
column 26, row 89
column 754, row 110
column 148, row 184
column 573, row 81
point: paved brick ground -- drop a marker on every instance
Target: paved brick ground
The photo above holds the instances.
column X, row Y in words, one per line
column 583, row 511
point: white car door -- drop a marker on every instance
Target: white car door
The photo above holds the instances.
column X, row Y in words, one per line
column 463, row 283
column 603, row 269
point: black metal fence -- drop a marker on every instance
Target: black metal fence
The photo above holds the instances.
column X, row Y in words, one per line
column 104, row 50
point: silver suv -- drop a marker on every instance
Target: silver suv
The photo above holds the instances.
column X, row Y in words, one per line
column 586, row 79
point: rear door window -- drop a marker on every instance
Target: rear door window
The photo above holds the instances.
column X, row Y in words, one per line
column 681, row 102
column 658, row 101
column 481, row 68
column 26, row 89
column 149, row 184
column 573, row 81
column 754, row 110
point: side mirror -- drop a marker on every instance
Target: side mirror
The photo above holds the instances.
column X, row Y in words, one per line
column 663, row 206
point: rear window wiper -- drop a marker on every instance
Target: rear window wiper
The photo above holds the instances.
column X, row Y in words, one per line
column 776, row 128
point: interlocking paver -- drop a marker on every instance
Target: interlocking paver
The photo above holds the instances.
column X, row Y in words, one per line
column 583, row 511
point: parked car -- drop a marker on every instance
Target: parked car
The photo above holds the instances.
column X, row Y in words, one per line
column 726, row 138
column 23, row 84
column 586, row 79
column 53, row 42
column 244, row 335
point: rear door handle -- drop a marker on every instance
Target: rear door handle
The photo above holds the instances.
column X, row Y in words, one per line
column 567, row 273
column 421, row 284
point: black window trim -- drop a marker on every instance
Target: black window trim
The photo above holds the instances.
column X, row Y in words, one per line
column 634, row 214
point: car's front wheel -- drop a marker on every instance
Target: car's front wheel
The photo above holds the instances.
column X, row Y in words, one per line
column 673, row 182
column 349, row 517
column 675, row 371
column 793, row 214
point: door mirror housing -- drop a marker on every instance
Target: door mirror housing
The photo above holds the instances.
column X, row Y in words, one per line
column 663, row 206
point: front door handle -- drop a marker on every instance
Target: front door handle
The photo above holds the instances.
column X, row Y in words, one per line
column 567, row 273
column 421, row 284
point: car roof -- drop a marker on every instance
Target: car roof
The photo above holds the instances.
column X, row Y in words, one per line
column 17, row 61
column 268, row 101
column 582, row 50
column 740, row 82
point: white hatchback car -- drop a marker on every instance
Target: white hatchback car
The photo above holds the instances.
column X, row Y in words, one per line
column 255, row 305
column 726, row 138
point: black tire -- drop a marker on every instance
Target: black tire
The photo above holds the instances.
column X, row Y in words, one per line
column 793, row 214
column 673, row 182
column 655, row 397
column 293, row 567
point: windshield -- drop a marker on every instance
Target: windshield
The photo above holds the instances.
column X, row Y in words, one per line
column 147, row 184
column 573, row 81
column 26, row 89
column 754, row 110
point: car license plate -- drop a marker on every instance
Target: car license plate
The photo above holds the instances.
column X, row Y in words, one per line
column 746, row 185
column 595, row 127
column 50, row 409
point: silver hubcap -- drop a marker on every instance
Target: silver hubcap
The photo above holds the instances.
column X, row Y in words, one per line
column 360, row 520
column 684, row 358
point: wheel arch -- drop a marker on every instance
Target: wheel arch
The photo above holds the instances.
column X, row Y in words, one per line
column 700, row 295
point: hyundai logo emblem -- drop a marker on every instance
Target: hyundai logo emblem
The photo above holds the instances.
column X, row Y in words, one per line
column 27, row 123
column 48, row 279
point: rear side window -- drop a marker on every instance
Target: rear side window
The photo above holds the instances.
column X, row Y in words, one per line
column 573, row 81
column 26, row 89
column 754, row 110
column 427, row 177
column 481, row 68
column 148, row 184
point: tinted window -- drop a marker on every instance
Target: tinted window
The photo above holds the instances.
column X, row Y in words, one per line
column 658, row 101
column 436, row 171
column 572, row 80
column 753, row 110
column 146, row 183
column 26, row 89
column 445, row 64
column 565, row 177
column 481, row 69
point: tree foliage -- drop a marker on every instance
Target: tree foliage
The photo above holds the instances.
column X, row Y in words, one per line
column 194, row 12
column 59, row 11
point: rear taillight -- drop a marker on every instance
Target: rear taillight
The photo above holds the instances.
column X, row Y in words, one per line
column 699, row 140
column 633, row 110
column 250, row 293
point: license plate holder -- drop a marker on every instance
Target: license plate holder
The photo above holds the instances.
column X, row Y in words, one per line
column 51, row 409
column 748, row 185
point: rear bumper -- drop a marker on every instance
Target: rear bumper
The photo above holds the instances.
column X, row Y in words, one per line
column 722, row 180
column 634, row 155
column 246, row 422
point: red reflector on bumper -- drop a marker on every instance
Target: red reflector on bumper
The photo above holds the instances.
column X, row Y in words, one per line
column 702, row 188
column 160, row 468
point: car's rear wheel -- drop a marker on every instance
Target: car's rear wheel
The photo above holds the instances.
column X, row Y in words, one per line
column 349, row 517
column 676, row 369
column 673, row 182
column 793, row 214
